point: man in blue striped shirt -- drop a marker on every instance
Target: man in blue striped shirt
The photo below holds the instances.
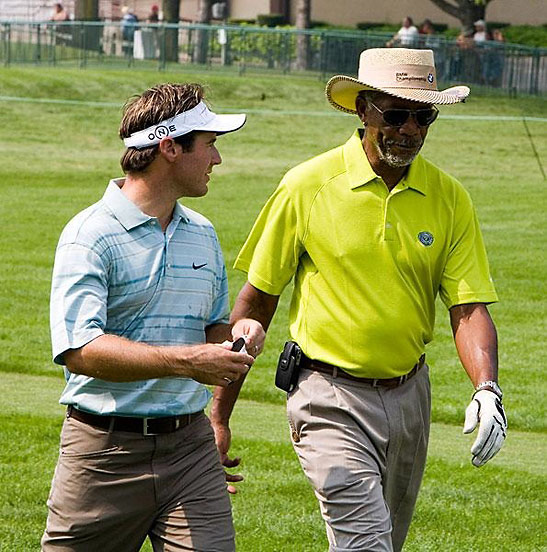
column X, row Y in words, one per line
column 139, row 320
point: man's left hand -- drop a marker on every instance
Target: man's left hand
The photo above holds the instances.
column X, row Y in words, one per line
column 486, row 411
column 223, row 438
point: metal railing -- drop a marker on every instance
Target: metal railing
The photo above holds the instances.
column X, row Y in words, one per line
column 513, row 68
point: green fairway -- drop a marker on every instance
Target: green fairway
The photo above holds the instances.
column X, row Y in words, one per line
column 274, row 508
column 59, row 149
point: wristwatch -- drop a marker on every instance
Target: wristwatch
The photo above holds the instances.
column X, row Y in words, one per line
column 494, row 387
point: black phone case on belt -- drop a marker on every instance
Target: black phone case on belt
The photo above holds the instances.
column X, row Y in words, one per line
column 286, row 375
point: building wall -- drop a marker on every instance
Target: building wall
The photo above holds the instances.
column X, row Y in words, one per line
column 188, row 10
column 31, row 10
column 239, row 9
column 339, row 12
column 245, row 9
column 350, row 12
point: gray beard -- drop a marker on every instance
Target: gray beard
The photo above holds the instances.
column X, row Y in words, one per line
column 394, row 160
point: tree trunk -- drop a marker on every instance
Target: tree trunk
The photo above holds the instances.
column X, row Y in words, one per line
column 467, row 11
column 86, row 10
column 303, row 20
column 202, row 35
column 170, row 10
column 86, row 37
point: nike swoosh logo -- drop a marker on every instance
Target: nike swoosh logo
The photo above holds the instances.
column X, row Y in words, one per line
column 197, row 267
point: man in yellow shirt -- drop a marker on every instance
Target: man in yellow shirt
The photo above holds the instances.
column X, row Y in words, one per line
column 371, row 233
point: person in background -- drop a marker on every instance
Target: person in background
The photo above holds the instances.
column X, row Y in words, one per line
column 62, row 32
column 480, row 34
column 129, row 25
column 372, row 232
column 139, row 320
column 465, row 60
column 59, row 13
column 154, row 15
column 427, row 30
column 497, row 35
column 429, row 39
column 150, row 38
column 494, row 59
column 406, row 35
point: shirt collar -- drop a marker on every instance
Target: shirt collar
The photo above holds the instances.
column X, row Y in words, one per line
column 358, row 167
column 416, row 177
column 180, row 213
column 360, row 172
column 129, row 215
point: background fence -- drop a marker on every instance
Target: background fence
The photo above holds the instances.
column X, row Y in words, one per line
column 509, row 67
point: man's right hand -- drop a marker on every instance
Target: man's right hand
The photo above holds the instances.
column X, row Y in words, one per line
column 214, row 364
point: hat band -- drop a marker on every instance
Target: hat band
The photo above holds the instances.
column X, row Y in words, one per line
column 183, row 123
column 421, row 77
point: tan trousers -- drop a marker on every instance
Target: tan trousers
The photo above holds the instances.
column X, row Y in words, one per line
column 363, row 449
column 112, row 489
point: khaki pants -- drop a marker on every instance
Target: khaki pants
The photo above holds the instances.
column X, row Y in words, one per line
column 363, row 449
column 112, row 489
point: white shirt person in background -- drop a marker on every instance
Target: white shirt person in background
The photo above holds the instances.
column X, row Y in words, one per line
column 406, row 35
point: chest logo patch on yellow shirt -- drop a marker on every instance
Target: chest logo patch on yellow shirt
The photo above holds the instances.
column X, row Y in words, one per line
column 426, row 238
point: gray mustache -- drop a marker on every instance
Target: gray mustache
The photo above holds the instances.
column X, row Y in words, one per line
column 404, row 143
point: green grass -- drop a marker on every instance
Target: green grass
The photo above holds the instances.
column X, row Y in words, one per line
column 57, row 159
column 274, row 508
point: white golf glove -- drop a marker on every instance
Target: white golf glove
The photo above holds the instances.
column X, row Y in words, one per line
column 487, row 411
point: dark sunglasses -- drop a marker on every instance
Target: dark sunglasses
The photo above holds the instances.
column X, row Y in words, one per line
column 398, row 117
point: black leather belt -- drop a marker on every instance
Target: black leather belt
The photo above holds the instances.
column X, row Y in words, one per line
column 337, row 372
column 144, row 426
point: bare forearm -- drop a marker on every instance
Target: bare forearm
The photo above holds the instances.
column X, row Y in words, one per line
column 114, row 358
column 255, row 304
column 476, row 341
column 224, row 399
column 252, row 304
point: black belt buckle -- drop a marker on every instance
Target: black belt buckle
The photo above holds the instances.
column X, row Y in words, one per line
column 147, row 430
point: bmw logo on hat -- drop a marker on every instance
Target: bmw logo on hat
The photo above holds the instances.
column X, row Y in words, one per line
column 426, row 238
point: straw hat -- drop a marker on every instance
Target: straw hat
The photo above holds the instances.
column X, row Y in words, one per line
column 401, row 72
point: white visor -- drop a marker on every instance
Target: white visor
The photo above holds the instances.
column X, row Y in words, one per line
column 197, row 118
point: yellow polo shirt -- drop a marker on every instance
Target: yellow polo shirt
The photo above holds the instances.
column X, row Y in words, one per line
column 367, row 262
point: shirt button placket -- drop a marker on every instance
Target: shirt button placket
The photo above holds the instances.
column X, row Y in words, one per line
column 388, row 225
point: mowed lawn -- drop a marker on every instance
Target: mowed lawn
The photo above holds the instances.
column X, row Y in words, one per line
column 59, row 147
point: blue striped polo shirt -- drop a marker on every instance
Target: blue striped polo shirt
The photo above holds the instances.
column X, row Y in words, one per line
column 116, row 272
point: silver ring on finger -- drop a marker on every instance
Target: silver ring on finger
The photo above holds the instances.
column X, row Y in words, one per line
column 228, row 381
